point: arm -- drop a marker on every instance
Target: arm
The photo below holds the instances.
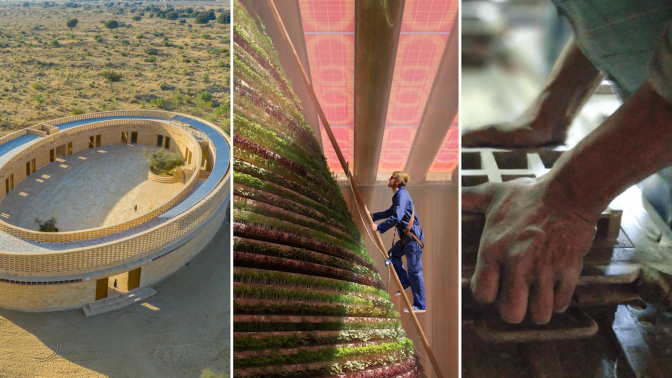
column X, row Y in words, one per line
column 570, row 84
column 395, row 213
column 382, row 214
column 537, row 231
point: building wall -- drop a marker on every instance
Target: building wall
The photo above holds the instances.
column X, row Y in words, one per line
column 47, row 297
column 42, row 298
column 437, row 208
column 163, row 267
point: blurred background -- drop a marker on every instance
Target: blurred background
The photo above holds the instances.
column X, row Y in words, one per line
column 508, row 49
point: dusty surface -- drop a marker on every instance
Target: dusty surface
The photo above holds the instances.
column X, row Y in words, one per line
column 93, row 188
column 181, row 330
column 190, row 59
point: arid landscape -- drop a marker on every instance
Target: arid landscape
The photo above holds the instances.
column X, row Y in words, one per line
column 159, row 56
column 120, row 56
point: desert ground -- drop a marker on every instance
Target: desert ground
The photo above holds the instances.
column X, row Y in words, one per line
column 179, row 332
column 49, row 70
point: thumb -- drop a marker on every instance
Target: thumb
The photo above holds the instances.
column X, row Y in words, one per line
column 477, row 199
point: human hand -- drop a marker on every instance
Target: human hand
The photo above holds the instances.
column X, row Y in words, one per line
column 374, row 227
column 533, row 242
column 517, row 134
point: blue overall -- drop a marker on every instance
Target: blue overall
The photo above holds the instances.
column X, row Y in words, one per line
column 399, row 215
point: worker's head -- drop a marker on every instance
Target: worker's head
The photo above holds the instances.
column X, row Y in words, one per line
column 398, row 179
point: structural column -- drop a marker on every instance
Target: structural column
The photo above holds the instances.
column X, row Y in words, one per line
column 377, row 27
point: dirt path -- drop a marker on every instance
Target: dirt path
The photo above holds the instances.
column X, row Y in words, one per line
column 181, row 330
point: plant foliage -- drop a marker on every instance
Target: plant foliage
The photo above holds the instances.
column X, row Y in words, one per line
column 162, row 161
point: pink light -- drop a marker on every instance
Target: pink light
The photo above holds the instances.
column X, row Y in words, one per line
column 447, row 157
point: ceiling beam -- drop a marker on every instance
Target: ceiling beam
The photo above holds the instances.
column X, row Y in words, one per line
column 439, row 112
column 291, row 17
column 377, row 27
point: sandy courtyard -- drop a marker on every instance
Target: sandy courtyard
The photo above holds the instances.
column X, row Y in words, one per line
column 94, row 188
column 181, row 330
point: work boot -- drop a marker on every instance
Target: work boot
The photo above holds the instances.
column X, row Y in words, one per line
column 416, row 309
column 406, row 286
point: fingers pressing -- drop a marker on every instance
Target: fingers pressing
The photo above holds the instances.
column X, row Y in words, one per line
column 563, row 294
column 485, row 282
column 515, row 292
column 541, row 299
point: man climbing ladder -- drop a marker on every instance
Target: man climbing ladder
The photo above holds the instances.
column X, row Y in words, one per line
column 402, row 215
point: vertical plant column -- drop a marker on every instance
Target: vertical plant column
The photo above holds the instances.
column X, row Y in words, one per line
column 308, row 300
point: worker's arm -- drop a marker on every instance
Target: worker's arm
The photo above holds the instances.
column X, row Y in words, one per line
column 394, row 214
column 382, row 214
column 570, row 84
column 537, row 231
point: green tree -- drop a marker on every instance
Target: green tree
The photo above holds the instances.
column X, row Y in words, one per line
column 172, row 16
column 111, row 24
column 136, row 18
column 71, row 23
column 162, row 161
column 112, row 77
column 224, row 18
column 202, row 19
column 48, row 225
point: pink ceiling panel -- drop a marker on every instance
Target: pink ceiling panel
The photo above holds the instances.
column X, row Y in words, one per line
column 424, row 35
column 397, row 142
column 418, row 58
column 447, row 158
column 433, row 16
column 328, row 16
column 329, row 32
column 345, row 135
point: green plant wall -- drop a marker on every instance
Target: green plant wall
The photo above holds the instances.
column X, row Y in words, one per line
column 308, row 300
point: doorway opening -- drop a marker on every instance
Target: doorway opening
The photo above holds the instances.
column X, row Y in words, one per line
column 134, row 137
column 159, row 141
column 61, row 151
column 98, row 140
column 167, row 143
column 101, row 288
column 9, row 183
column 52, row 156
column 27, row 168
column 124, row 137
column 125, row 283
column 91, row 145
column 69, row 148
